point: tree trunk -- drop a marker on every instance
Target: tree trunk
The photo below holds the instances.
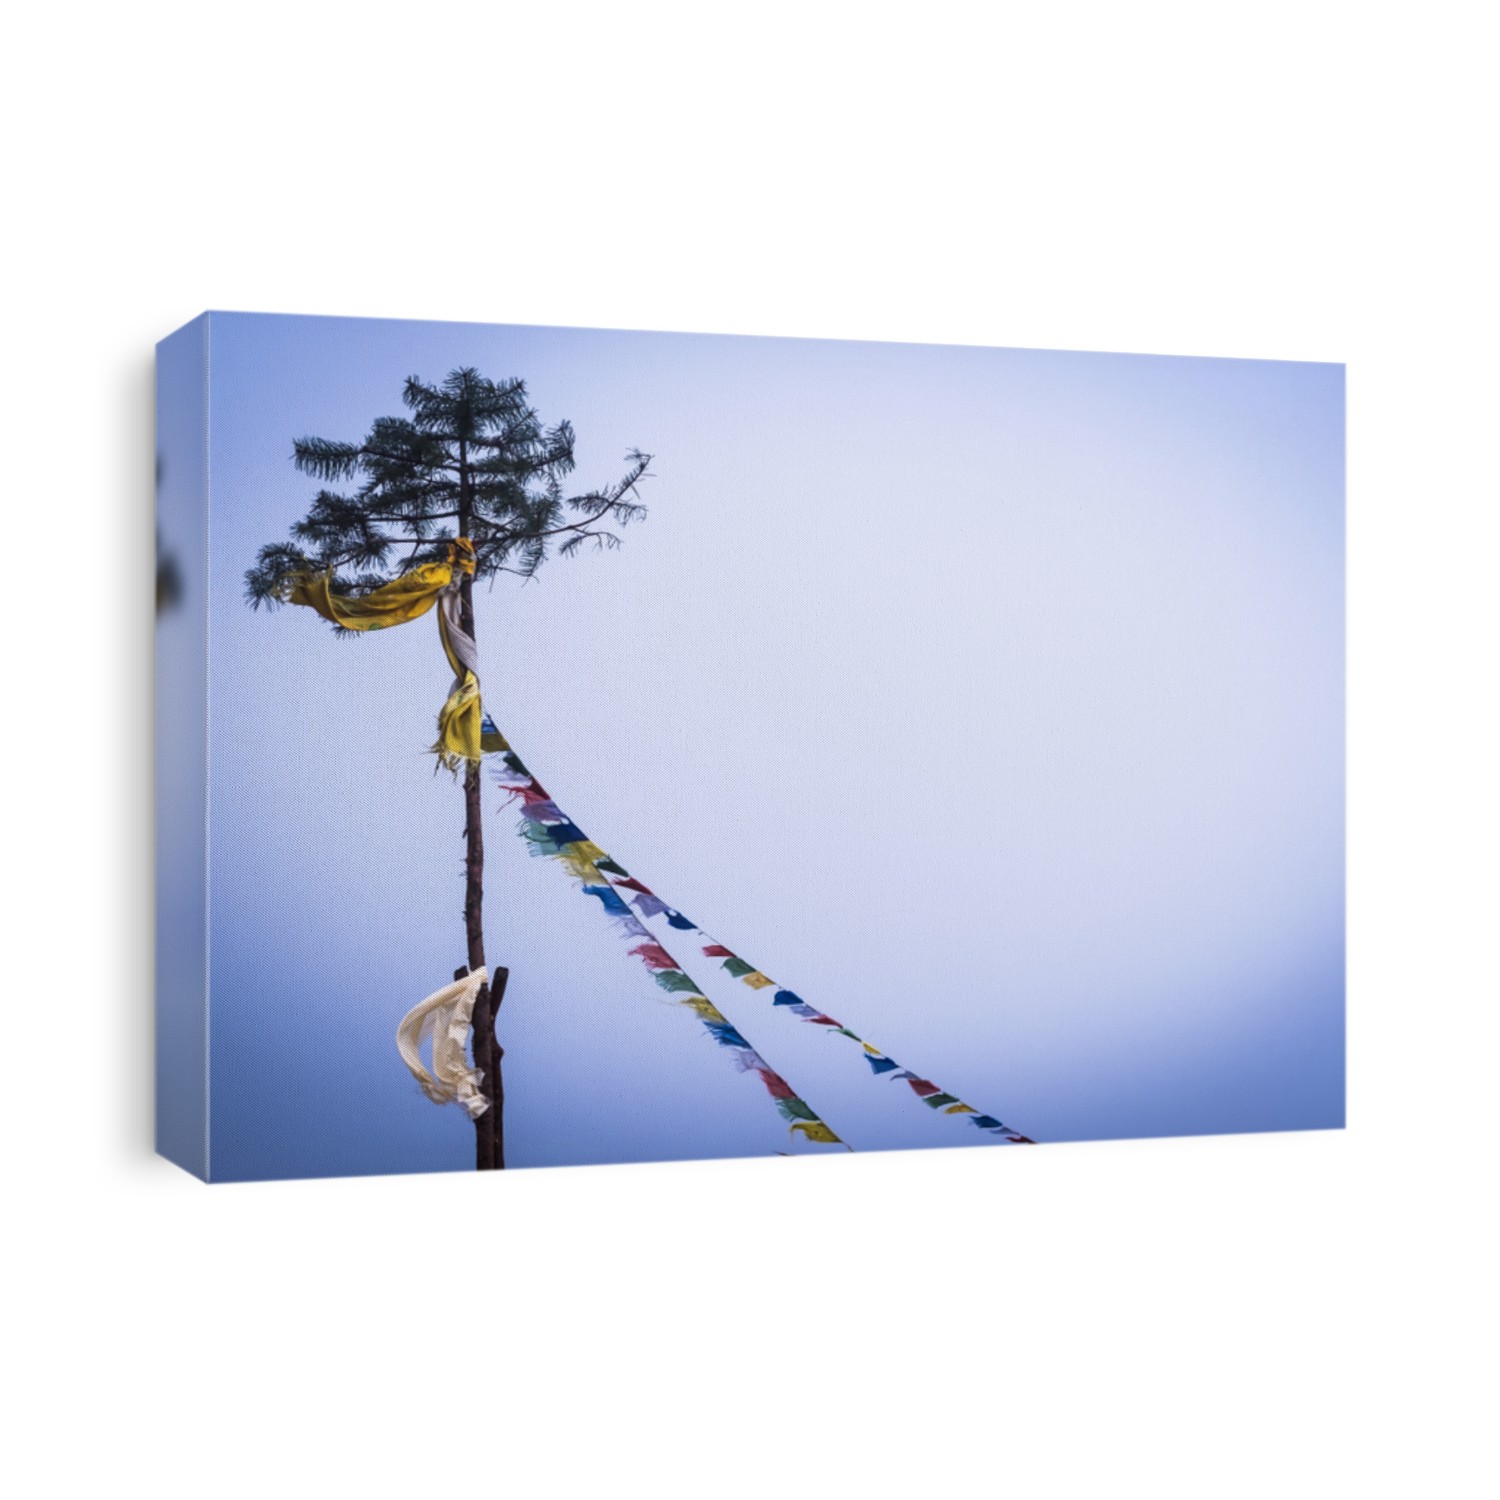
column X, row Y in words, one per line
column 489, row 1128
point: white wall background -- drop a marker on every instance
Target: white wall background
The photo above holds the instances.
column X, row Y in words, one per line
column 1297, row 1315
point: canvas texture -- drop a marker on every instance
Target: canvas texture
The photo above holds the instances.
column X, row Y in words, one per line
column 748, row 747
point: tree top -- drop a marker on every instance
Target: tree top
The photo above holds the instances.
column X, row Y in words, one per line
column 471, row 458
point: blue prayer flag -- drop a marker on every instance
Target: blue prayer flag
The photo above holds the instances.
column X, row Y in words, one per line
column 725, row 1034
column 611, row 901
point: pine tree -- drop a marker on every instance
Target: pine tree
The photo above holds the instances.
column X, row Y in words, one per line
column 472, row 459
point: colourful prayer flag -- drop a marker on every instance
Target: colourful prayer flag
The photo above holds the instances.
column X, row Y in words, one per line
column 654, row 956
column 545, row 810
column 777, row 1086
column 725, row 1034
column 611, row 902
column 580, row 859
column 491, row 741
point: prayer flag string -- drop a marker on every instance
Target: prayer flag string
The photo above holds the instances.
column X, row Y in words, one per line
column 553, row 835
column 550, row 832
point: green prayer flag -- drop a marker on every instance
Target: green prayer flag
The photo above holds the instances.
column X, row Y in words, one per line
column 794, row 1109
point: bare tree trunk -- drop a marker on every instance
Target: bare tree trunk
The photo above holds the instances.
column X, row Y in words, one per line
column 494, row 1082
column 486, row 1131
column 489, row 1128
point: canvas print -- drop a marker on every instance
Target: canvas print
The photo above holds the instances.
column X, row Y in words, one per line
column 582, row 746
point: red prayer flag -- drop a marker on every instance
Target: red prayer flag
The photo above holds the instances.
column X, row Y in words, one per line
column 776, row 1086
column 654, row 956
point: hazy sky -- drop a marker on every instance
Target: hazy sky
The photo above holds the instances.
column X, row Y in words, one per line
column 990, row 699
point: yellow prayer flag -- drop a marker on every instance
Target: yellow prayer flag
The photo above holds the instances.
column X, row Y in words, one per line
column 816, row 1130
column 581, row 860
column 757, row 980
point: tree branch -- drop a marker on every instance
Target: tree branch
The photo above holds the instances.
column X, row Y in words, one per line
column 416, row 463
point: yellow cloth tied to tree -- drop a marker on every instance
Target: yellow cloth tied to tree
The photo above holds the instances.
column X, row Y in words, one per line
column 461, row 718
column 402, row 599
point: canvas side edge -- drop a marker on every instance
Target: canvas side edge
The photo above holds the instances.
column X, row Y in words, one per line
column 181, row 752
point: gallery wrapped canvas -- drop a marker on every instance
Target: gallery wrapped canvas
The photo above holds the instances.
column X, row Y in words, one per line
column 582, row 746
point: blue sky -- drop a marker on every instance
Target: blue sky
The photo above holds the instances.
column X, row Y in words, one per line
column 990, row 699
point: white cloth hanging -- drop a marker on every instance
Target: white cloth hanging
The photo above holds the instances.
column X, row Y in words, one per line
column 445, row 1017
